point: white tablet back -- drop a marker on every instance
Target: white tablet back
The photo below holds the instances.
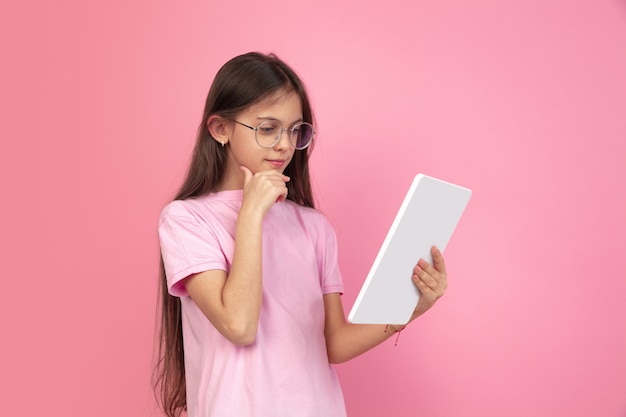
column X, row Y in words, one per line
column 428, row 215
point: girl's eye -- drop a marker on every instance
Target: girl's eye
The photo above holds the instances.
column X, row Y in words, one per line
column 267, row 129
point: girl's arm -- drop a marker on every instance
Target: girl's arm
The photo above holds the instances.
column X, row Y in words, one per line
column 232, row 302
column 345, row 341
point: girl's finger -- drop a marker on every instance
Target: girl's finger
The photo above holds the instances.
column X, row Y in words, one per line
column 425, row 277
column 427, row 268
column 438, row 261
column 420, row 284
column 247, row 175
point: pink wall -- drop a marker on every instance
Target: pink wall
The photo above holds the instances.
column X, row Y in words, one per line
column 524, row 102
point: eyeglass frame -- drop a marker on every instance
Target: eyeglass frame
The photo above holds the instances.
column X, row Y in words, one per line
column 280, row 135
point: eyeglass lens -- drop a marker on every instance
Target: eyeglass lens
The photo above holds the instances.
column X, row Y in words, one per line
column 268, row 134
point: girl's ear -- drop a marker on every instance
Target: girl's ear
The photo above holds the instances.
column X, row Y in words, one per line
column 218, row 128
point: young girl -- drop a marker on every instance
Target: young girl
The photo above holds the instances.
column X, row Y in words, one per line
column 252, row 316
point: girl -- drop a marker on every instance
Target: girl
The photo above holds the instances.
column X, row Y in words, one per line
column 252, row 318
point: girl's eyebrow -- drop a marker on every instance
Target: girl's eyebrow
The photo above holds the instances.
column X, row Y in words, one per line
column 275, row 119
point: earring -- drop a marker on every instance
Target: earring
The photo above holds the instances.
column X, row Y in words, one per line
column 222, row 144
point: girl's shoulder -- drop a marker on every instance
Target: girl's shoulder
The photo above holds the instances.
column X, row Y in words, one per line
column 205, row 205
column 303, row 210
column 180, row 208
column 312, row 217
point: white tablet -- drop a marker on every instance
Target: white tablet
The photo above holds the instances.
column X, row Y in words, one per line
column 427, row 217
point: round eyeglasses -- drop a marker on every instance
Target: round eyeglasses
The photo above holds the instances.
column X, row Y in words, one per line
column 268, row 133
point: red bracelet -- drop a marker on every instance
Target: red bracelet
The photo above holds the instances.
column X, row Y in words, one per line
column 395, row 331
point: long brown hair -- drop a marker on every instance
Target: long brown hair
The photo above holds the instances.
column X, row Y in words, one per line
column 243, row 81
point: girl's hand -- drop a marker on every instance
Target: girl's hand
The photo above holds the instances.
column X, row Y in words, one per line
column 263, row 189
column 431, row 281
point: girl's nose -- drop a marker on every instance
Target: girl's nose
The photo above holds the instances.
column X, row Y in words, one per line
column 284, row 139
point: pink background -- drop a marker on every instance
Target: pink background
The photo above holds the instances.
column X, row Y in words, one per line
column 522, row 101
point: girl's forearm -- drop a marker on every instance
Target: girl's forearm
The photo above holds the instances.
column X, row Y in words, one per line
column 351, row 340
column 242, row 293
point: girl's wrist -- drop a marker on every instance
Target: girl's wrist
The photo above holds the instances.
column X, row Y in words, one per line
column 393, row 328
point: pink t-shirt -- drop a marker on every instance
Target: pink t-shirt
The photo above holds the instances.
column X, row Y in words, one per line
column 285, row 372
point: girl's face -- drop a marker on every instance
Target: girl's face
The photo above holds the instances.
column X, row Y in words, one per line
column 285, row 108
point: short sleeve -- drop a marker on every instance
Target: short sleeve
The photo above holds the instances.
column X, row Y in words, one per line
column 332, row 281
column 188, row 246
